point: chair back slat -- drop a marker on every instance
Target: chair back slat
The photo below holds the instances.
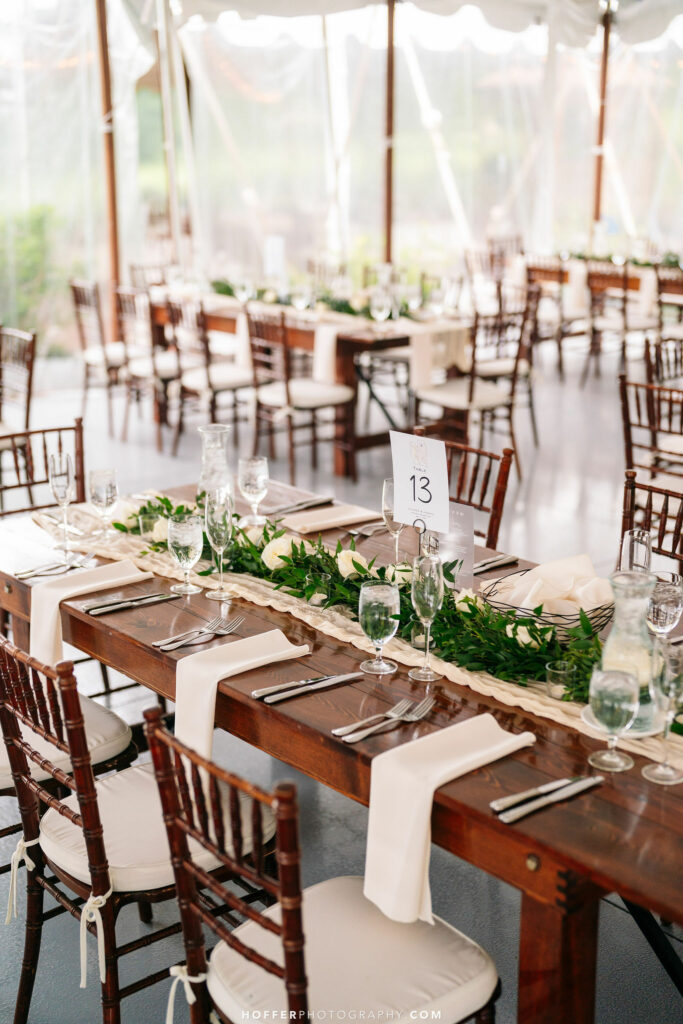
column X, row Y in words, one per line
column 170, row 758
column 657, row 509
column 30, row 451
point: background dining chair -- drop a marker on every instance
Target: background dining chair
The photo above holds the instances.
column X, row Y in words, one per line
column 659, row 510
column 652, row 420
column 104, row 362
column 134, row 330
column 259, row 966
column 17, row 355
column 147, row 275
column 295, row 401
column 670, row 302
column 29, row 454
column 105, row 844
column 664, row 361
column 477, row 478
column 615, row 309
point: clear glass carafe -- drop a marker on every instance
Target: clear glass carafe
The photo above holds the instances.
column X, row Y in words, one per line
column 630, row 646
column 215, row 471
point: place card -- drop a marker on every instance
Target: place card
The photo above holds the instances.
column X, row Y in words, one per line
column 420, row 482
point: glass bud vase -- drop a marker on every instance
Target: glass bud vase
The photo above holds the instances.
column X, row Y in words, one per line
column 630, row 646
column 215, row 471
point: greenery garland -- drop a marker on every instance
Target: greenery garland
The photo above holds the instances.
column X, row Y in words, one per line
column 467, row 631
column 326, row 298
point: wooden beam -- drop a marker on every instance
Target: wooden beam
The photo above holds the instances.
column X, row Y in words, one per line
column 109, row 162
column 599, row 161
column 389, row 137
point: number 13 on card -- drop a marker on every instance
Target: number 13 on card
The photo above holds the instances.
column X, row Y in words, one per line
column 420, row 481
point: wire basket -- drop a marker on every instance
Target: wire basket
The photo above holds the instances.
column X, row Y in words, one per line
column 598, row 617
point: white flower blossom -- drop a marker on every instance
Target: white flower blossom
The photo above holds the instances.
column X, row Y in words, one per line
column 465, row 599
column 524, row 637
column 275, row 549
column 345, row 560
column 160, row 531
column 125, row 510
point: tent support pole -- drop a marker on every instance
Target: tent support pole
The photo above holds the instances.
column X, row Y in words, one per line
column 163, row 44
column 389, row 137
column 604, row 65
column 109, row 161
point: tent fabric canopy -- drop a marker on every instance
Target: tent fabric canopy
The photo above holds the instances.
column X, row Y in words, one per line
column 637, row 20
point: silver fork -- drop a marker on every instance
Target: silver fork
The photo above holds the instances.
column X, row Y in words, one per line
column 58, row 569
column 214, row 623
column 398, row 709
column 228, row 626
column 419, row 712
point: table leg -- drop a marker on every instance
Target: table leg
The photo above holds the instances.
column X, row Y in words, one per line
column 20, row 633
column 346, row 374
column 557, row 962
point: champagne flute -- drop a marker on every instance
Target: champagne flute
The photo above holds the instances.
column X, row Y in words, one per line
column 392, row 525
column 103, row 492
column 666, row 687
column 427, row 594
column 252, row 480
column 613, row 697
column 63, row 486
column 636, row 551
column 378, row 608
column 218, row 522
column 185, row 543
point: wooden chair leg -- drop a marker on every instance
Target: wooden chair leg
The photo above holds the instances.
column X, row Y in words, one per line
column 350, row 431
column 314, row 442
column 290, row 446
column 532, row 412
column 513, row 442
column 105, row 678
column 126, row 411
column 111, row 998
column 235, row 420
column 34, row 929
column 559, row 339
column 145, row 911
column 178, row 426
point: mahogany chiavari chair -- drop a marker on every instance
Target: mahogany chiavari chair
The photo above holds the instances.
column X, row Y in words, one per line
column 478, row 478
column 664, row 361
column 659, row 510
column 670, row 299
column 295, row 400
column 30, row 451
column 17, row 354
column 99, row 849
column 501, row 249
column 184, row 353
column 613, row 311
column 104, row 362
column 652, row 418
column 144, row 276
column 134, row 325
column 289, row 957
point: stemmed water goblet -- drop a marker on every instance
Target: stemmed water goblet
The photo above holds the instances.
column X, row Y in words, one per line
column 392, row 525
column 380, row 305
column 636, row 551
column 185, row 543
column 103, row 492
column 613, row 697
column 666, row 604
column 427, row 595
column 252, row 480
column 63, row 486
column 666, row 689
column 379, row 605
column 218, row 523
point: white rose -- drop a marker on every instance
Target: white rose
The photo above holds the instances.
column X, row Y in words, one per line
column 125, row 510
column 274, row 549
column 464, row 597
column 253, row 534
column 345, row 560
column 160, row 531
column 523, row 636
column 401, row 573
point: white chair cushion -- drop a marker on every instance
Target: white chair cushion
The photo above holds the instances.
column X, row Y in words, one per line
column 674, row 331
column 116, row 354
column 305, row 393
column 357, row 959
column 134, row 833
column 166, row 363
column 503, row 367
column 107, row 735
column 223, row 344
column 224, row 377
column 454, row 394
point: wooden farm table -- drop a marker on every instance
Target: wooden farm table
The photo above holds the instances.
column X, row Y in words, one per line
column 349, row 345
column 626, row 836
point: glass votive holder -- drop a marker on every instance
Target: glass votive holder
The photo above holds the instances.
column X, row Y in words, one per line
column 418, row 637
column 559, row 675
column 146, row 524
column 321, row 582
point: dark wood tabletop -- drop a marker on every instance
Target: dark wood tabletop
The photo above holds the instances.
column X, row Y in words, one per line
column 624, row 836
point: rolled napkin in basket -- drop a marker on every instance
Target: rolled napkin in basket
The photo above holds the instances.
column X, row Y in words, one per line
column 198, row 675
column 402, row 786
column 46, row 625
column 562, row 587
column 328, row 518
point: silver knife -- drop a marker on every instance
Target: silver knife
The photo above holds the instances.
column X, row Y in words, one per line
column 504, row 802
column 493, row 563
column 560, row 794
column 322, row 685
column 140, row 602
column 299, row 506
column 281, row 687
column 70, row 528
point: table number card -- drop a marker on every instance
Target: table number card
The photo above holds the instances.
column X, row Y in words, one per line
column 420, row 482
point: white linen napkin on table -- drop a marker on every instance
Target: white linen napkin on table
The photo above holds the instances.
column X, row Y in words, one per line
column 46, row 625
column 402, row 786
column 325, row 352
column 327, row 518
column 562, row 587
column 198, row 675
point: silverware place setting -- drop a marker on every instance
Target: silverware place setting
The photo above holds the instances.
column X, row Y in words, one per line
column 122, row 603
column 345, row 730
column 415, row 713
column 217, row 627
column 512, row 808
column 297, row 688
column 56, row 568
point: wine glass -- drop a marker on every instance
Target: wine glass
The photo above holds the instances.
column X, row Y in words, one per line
column 378, row 608
column 300, row 296
column 427, row 594
column 103, row 492
column 63, row 486
column 218, row 522
column 392, row 525
column 666, row 604
column 185, row 543
column 252, row 480
column 636, row 551
column 380, row 305
column 666, row 688
column 613, row 697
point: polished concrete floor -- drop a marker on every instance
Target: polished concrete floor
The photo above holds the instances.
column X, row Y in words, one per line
column 568, row 502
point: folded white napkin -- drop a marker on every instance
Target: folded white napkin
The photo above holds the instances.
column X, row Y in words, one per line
column 46, row 625
column 562, row 587
column 198, row 675
column 327, row 518
column 325, row 352
column 402, row 786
